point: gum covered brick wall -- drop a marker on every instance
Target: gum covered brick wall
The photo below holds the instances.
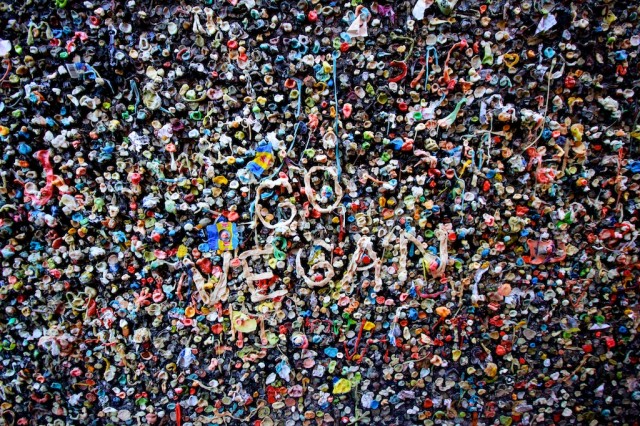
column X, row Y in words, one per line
column 265, row 212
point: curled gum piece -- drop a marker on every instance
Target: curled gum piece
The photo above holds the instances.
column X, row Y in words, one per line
column 280, row 182
column 311, row 193
column 330, row 273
